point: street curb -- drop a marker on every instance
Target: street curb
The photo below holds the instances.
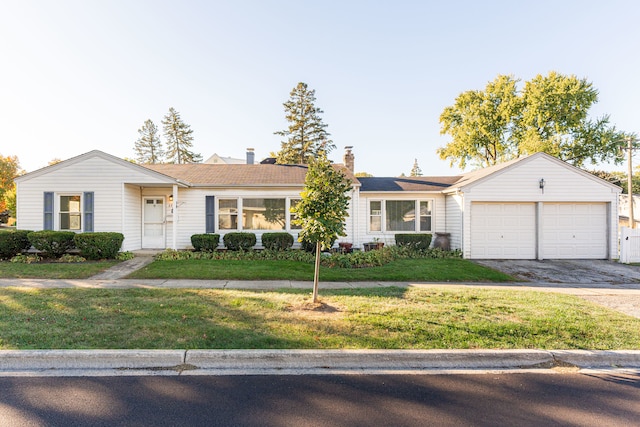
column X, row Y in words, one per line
column 346, row 360
column 367, row 359
column 599, row 358
column 16, row 360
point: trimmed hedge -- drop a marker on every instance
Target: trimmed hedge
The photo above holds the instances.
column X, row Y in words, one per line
column 238, row 241
column 99, row 245
column 414, row 241
column 205, row 242
column 13, row 243
column 53, row 243
column 277, row 241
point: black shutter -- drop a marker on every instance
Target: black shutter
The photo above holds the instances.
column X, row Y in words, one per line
column 48, row 211
column 210, row 214
column 88, row 211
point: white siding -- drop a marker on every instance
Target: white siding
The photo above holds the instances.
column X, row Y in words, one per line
column 520, row 183
column 115, row 204
column 453, row 219
column 132, row 215
column 364, row 235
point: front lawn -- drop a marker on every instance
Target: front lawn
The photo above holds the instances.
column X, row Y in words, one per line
column 53, row 270
column 400, row 270
column 380, row 318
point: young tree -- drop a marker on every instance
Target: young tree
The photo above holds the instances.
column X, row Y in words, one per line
column 323, row 208
column 415, row 170
column 179, row 139
column 148, row 147
column 550, row 114
column 306, row 134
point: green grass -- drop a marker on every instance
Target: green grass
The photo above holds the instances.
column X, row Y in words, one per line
column 389, row 318
column 417, row 270
column 53, row 270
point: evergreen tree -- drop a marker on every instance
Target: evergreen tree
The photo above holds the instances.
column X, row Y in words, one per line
column 415, row 170
column 179, row 139
column 306, row 136
column 148, row 147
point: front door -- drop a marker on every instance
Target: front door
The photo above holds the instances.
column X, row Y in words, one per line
column 153, row 223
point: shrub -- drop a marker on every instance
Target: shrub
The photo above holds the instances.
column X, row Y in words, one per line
column 125, row 256
column 414, row 241
column 99, row 245
column 26, row 258
column 239, row 241
column 277, row 241
column 68, row 258
column 52, row 243
column 13, row 243
column 205, row 242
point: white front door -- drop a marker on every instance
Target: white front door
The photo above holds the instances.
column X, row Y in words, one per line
column 153, row 223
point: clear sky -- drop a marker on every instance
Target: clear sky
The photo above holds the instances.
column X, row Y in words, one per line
column 82, row 75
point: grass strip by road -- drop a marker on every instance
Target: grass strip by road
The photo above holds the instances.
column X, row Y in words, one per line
column 402, row 270
column 53, row 270
column 379, row 318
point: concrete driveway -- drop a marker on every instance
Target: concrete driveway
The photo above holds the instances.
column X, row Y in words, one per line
column 567, row 271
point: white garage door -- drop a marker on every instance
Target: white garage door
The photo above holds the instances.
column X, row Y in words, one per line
column 574, row 230
column 503, row 230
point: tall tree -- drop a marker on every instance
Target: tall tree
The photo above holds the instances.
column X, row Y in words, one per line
column 323, row 208
column 9, row 169
column 179, row 139
column 549, row 114
column 415, row 170
column 148, row 147
column 306, row 136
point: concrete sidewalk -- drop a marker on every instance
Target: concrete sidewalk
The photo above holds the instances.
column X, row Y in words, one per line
column 299, row 362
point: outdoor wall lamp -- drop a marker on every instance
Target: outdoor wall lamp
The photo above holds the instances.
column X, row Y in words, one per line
column 170, row 198
column 542, row 183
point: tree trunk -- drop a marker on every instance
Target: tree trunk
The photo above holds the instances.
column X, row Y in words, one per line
column 316, row 273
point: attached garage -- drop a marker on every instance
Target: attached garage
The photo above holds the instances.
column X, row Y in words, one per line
column 537, row 207
column 503, row 230
column 574, row 230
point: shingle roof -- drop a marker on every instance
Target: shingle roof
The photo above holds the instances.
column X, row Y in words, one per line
column 420, row 183
column 200, row 174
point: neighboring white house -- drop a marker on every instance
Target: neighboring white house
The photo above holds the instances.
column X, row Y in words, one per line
column 535, row 207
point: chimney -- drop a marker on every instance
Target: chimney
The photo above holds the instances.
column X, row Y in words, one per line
column 250, row 156
column 349, row 158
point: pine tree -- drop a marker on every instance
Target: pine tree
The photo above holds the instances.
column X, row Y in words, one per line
column 416, row 171
column 306, row 134
column 179, row 139
column 148, row 147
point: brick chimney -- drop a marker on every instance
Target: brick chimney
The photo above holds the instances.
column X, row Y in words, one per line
column 349, row 158
column 251, row 156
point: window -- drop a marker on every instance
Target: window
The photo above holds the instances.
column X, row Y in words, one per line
column 251, row 214
column 228, row 214
column 375, row 216
column 263, row 214
column 70, row 214
column 400, row 215
column 293, row 216
column 425, row 216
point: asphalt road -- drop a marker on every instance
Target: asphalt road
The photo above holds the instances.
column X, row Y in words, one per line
column 522, row 399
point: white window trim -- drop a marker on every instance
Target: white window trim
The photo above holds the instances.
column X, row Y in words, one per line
column 240, row 205
column 383, row 216
column 57, row 211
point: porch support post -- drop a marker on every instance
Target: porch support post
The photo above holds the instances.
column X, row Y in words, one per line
column 174, row 234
